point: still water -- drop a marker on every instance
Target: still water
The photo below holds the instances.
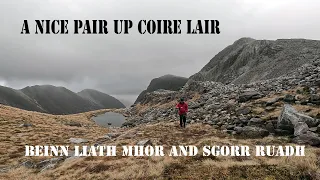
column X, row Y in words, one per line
column 109, row 119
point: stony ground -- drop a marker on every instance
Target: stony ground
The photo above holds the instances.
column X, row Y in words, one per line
column 49, row 129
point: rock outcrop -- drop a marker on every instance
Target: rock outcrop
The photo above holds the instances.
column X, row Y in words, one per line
column 291, row 120
column 248, row 60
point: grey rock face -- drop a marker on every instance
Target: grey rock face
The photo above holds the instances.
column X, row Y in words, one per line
column 248, row 60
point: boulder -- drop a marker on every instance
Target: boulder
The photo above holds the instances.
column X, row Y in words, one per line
column 315, row 99
column 45, row 163
column 308, row 138
column 230, row 127
column 26, row 125
column 272, row 101
column 270, row 108
column 282, row 132
column 246, row 96
column 289, row 98
column 112, row 135
column 255, row 122
column 289, row 117
column 77, row 140
column 244, row 111
column 144, row 143
column 227, row 131
column 73, row 124
column 313, row 129
column 254, row 132
column 128, row 124
column 270, row 127
column 238, row 129
column 28, row 164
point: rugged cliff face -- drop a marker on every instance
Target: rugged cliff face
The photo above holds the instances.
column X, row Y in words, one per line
column 252, row 88
column 248, row 60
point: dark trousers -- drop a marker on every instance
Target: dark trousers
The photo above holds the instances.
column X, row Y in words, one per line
column 183, row 119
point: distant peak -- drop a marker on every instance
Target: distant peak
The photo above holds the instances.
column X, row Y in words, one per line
column 244, row 40
column 170, row 76
column 44, row 86
column 88, row 90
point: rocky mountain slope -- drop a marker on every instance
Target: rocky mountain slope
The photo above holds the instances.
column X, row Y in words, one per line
column 166, row 82
column 248, row 60
column 287, row 105
column 103, row 100
column 56, row 100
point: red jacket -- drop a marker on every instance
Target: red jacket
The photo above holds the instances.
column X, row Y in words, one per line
column 183, row 108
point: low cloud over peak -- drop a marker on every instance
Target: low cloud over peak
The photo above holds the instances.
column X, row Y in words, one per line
column 123, row 65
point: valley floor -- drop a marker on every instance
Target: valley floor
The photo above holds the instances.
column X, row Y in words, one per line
column 57, row 130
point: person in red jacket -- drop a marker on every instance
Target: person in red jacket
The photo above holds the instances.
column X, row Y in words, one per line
column 183, row 109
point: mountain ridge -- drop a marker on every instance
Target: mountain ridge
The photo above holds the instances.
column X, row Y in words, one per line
column 53, row 99
column 248, row 60
column 100, row 98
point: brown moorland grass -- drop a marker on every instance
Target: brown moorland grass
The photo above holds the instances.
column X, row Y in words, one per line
column 46, row 129
column 52, row 129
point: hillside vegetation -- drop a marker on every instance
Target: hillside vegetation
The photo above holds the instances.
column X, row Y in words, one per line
column 52, row 129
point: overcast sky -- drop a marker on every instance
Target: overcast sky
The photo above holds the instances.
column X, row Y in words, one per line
column 123, row 65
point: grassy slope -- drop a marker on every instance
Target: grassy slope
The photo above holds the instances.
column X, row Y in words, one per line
column 50, row 129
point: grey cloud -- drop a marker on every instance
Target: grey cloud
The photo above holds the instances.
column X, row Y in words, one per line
column 123, row 65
